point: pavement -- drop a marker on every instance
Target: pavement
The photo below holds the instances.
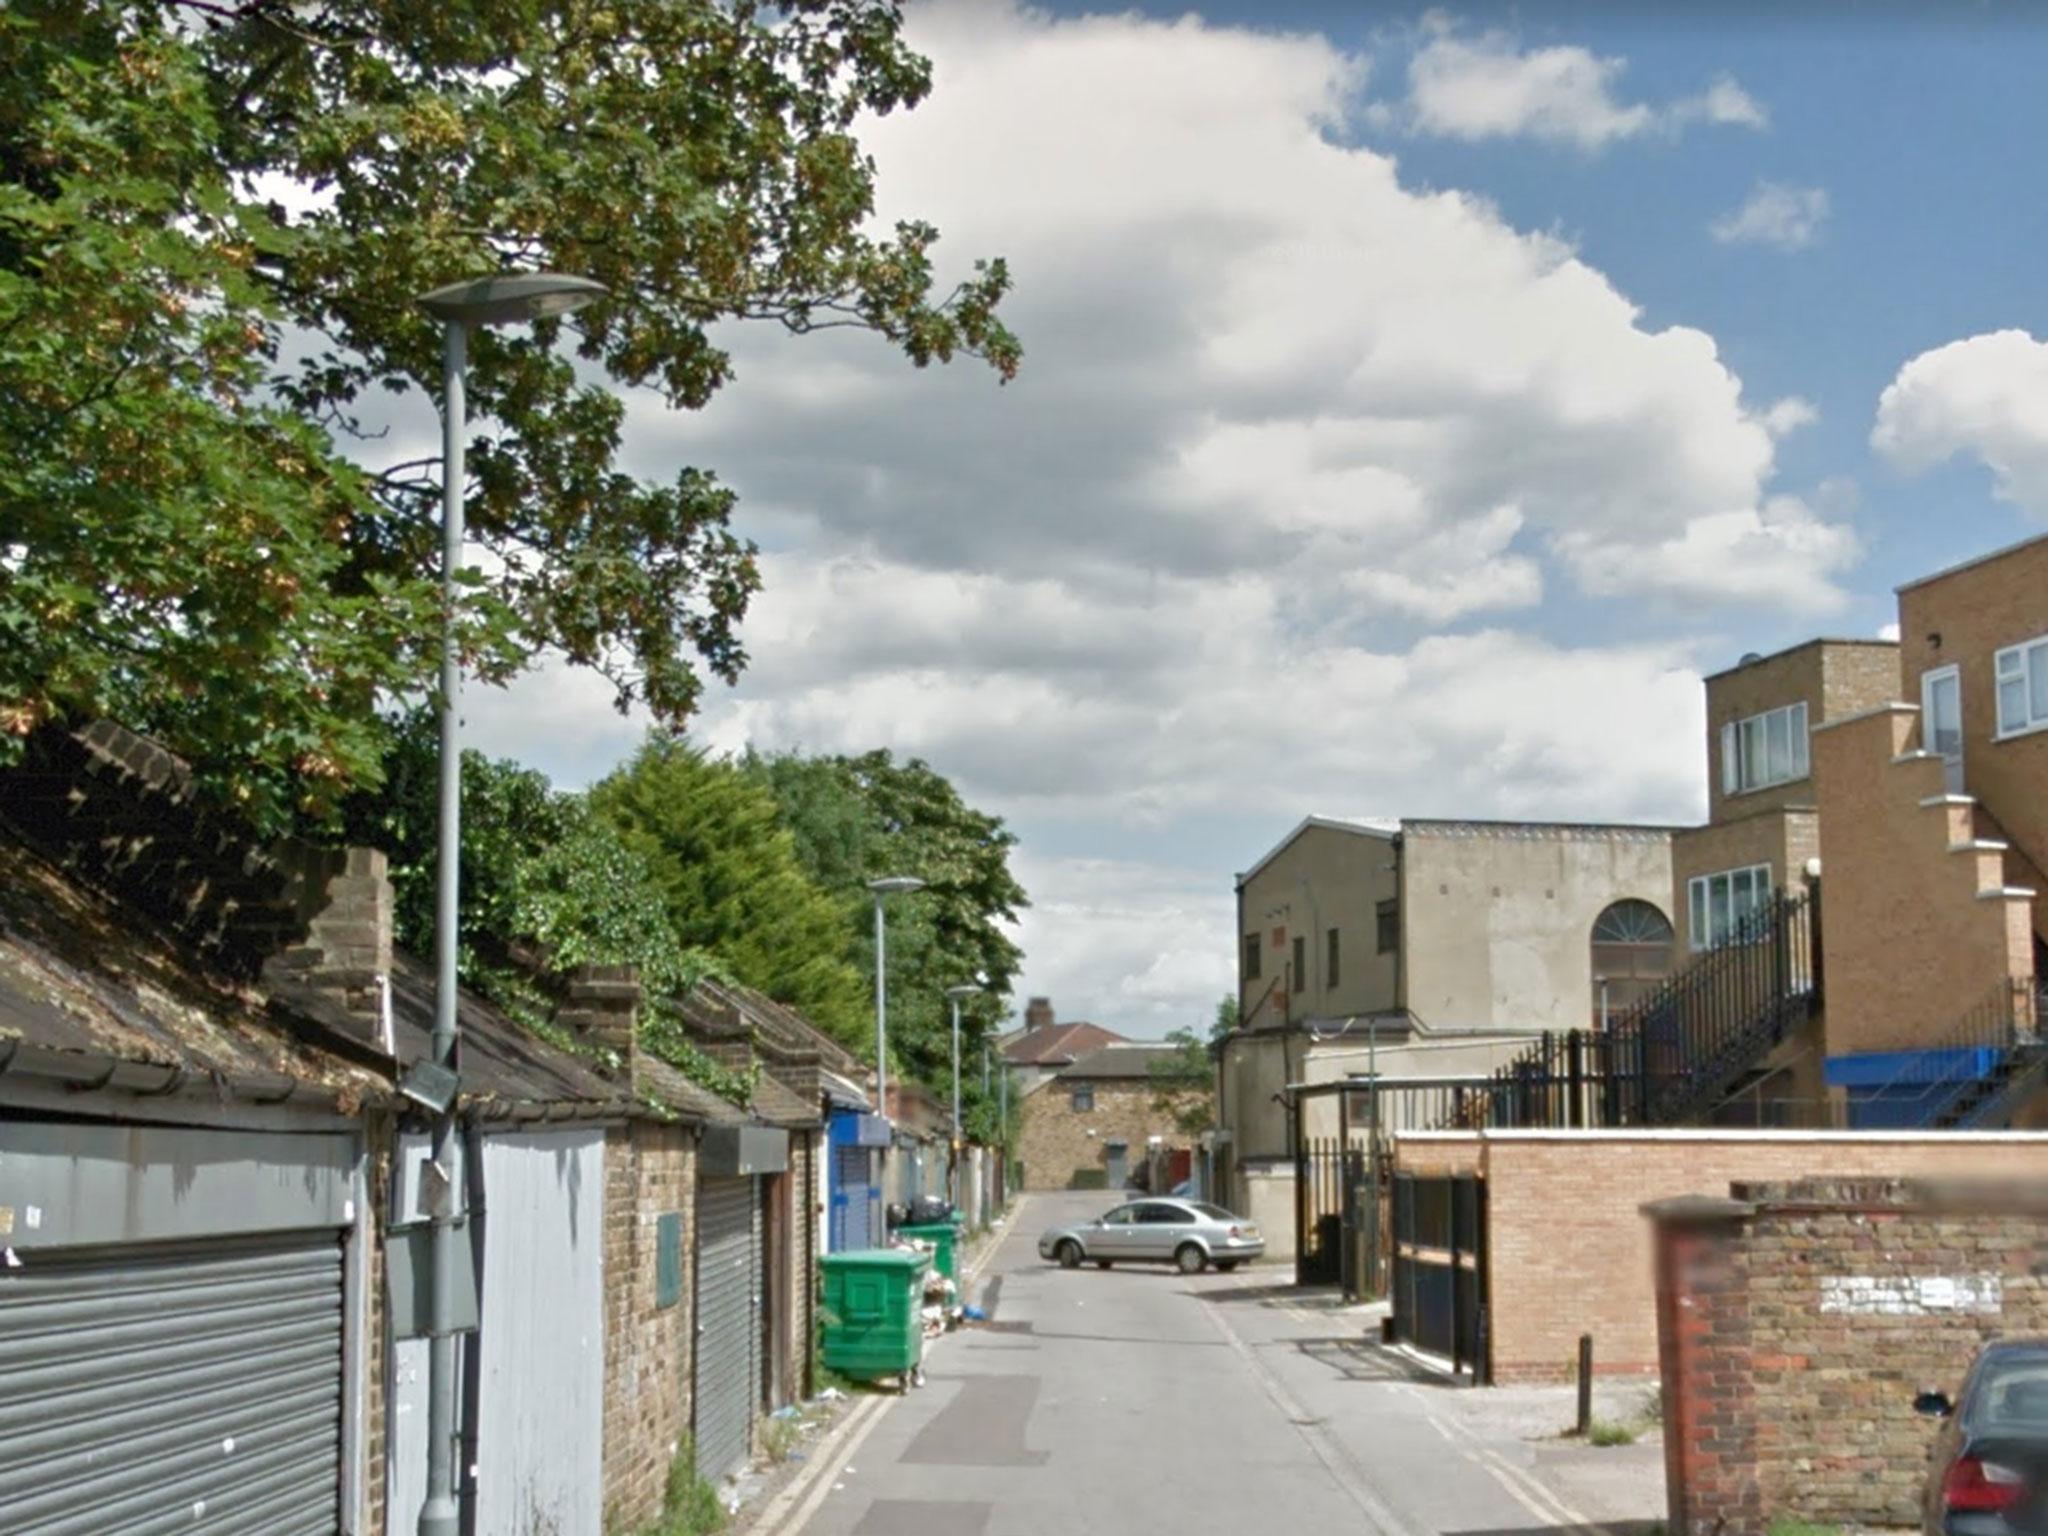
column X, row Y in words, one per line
column 1138, row 1400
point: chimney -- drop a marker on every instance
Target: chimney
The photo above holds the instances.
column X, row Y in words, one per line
column 1038, row 1014
column 603, row 1009
column 343, row 906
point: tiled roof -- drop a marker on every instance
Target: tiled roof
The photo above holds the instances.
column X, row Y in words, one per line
column 1059, row 1043
column 1121, row 1061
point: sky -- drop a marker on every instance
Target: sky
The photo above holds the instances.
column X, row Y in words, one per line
column 1416, row 404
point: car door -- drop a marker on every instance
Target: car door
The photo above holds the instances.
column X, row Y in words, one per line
column 1160, row 1229
column 1115, row 1235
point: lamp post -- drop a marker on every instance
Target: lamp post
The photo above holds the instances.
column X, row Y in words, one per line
column 888, row 885
column 965, row 990
column 509, row 300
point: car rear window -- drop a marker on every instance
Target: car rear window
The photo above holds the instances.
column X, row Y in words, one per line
column 1215, row 1212
column 2012, row 1394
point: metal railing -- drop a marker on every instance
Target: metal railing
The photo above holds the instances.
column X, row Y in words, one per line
column 1676, row 1053
column 1961, row 1078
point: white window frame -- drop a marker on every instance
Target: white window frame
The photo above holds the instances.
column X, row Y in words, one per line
column 1752, row 760
column 2025, row 667
column 1712, row 915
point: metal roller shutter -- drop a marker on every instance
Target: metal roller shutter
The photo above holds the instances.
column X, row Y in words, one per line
column 189, row 1387
column 728, row 1331
column 856, row 1197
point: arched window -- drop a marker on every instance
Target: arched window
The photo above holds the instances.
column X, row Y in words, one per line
column 1632, row 943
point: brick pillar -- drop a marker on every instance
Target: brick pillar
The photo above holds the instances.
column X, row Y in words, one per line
column 1704, row 1359
column 343, row 903
column 603, row 1008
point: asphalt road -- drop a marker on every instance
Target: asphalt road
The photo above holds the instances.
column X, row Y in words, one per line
column 1140, row 1401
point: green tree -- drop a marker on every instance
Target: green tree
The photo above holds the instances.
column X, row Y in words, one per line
column 732, row 883
column 546, row 885
column 213, row 215
column 857, row 818
column 1184, row 1084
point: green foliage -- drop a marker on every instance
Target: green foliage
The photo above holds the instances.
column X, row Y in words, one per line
column 1183, row 1084
column 730, row 881
column 689, row 1504
column 546, row 886
column 857, row 818
column 186, row 541
column 1606, row 1432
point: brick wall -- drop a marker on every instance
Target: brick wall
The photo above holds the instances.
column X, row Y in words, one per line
column 1056, row 1141
column 1964, row 618
column 1833, row 677
column 1568, row 1248
column 1910, row 943
column 1796, row 1323
column 650, row 1171
column 1782, row 838
column 379, row 1133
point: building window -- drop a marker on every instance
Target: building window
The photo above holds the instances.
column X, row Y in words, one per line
column 1723, row 908
column 1084, row 1098
column 1300, row 964
column 1330, row 970
column 1764, row 749
column 1251, row 957
column 2023, row 687
column 1389, row 924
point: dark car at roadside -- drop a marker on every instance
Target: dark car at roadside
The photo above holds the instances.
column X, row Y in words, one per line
column 1987, row 1473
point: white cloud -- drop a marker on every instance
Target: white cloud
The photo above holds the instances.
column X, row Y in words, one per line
column 1486, row 86
column 1788, row 415
column 1986, row 396
column 1775, row 214
column 1281, row 417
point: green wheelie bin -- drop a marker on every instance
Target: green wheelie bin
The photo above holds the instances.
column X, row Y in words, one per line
column 874, row 1312
column 944, row 1236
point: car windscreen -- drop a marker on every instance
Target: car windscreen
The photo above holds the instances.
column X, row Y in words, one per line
column 2011, row 1395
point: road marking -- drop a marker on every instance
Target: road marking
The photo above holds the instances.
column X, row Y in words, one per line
column 1335, row 1460
column 1520, row 1484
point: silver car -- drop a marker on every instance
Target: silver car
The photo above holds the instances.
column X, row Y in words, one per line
column 1189, row 1234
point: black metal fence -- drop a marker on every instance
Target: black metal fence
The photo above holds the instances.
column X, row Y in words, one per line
column 1670, row 1058
column 1439, row 1271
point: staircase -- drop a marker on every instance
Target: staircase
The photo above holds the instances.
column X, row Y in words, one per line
column 1975, row 1077
column 1677, row 1054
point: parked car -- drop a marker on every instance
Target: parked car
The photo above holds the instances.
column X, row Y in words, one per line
column 1188, row 1234
column 1988, row 1472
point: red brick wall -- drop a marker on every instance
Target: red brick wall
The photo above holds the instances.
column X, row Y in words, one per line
column 1794, row 1334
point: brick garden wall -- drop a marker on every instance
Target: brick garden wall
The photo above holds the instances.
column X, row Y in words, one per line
column 1796, row 1324
column 650, row 1170
column 1570, row 1252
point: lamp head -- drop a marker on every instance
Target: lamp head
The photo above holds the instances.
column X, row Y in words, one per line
column 895, row 885
column 964, row 991
column 516, row 299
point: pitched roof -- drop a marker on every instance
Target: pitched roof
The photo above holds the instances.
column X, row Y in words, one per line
column 1380, row 827
column 1127, row 1060
column 1059, row 1043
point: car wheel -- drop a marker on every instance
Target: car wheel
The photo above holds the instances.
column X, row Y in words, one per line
column 1225, row 1266
column 1190, row 1258
column 1068, row 1253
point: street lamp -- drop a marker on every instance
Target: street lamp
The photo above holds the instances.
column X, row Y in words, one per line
column 508, row 300
column 965, row 990
column 889, row 885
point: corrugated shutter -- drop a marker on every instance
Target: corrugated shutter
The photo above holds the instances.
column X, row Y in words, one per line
column 856, row 1197
column 728, row 1332
column 188, row 1387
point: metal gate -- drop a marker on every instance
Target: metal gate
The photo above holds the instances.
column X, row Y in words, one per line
column 201, row 1378
column 853, row 1199
column 1440, row 1275
column 728, row 1323
column 540, row 1344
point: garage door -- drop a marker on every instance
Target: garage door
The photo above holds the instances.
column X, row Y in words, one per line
column 728, row 1323
column 191, row 1387
column 853, row 1201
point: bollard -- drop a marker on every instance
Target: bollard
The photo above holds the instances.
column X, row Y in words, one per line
column 1585, row 1384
